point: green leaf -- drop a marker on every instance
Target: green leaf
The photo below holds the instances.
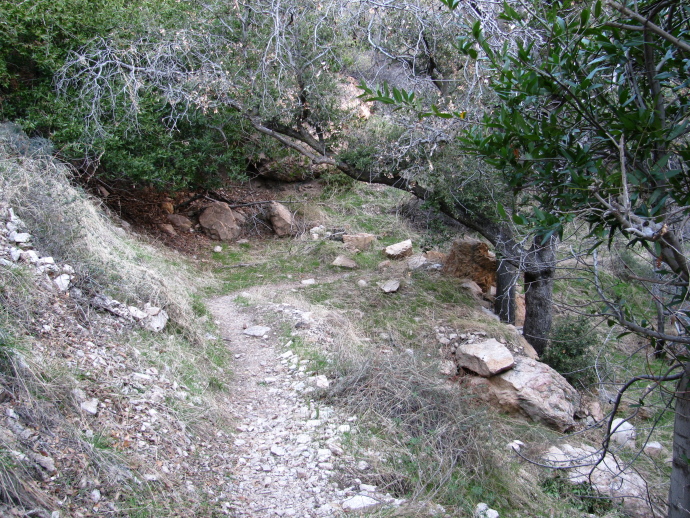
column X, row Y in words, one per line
column 597, row 9
column 501, row 211
column 519, row 220
column 584, row 18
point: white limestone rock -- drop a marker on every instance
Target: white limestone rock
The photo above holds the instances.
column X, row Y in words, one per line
column 486, row 358
column 606, row 476
column 360, row 503
column 257, row 331
column 390, row 286
column 399, row 250
column 344, row 262
column 62, row 282
column 623, row 433
column 534, row 389
column 483, row 511
column 90, row 406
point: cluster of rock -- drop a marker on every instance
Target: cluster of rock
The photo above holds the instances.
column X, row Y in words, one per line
column 512, row 380
column 218, row 221
column 16, row 247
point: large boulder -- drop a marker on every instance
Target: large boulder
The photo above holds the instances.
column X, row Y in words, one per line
column 281, row 219
column 472, row 259
column 485, row 358
column 533, row 389
column 606, row 476
column 218, row 221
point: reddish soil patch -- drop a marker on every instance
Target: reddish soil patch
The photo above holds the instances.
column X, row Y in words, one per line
column 146, row 209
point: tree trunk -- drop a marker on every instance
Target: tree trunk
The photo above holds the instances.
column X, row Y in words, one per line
column 679, row 494
column 504, row 305
column 540, row 265
column 659, row 344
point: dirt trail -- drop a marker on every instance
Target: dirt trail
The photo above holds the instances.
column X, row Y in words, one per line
column 287, row 448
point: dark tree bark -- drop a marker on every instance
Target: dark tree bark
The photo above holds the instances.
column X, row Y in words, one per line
column 506, row 277
column 679, row 493
column 540, row 265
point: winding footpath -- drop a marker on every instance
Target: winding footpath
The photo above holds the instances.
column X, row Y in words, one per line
column 289, row 459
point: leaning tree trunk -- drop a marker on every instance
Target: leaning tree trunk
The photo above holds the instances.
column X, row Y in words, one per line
column 679, row 494
column 504, row 304
column 540, row 266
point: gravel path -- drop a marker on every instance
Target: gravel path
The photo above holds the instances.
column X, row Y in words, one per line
column 287, row 447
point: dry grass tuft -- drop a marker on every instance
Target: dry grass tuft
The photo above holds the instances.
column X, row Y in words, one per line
column 433, row 432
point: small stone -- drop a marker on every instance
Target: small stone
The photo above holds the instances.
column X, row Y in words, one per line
column 137, row 313
column 362, row 283
column 19, row 237
column 156, row 323
column 62, row 281
column 344, row 262
column 335, row 449
column 257, row 331
column 308, row 282
column 90, row 406
column 515, row 445
column 390, row 286
column 623, row 433
column 360, row 503
column 218, row 249
column 344, row 428
column 321, row 382
column 653, row 449
column 303, row 439
column 15, row 254
column 278, row 451
column 482, row 511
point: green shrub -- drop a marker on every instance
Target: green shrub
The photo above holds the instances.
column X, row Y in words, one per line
column 570, row 349
column 336, row 182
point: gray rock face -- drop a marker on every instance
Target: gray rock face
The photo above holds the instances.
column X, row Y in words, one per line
column 399, row 250
column 486, row 358
column 533, row 389
column 281, row 219
column 607, row 477
column 218, row 221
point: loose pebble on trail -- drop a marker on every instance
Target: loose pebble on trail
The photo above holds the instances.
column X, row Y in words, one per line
column 287, row 447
